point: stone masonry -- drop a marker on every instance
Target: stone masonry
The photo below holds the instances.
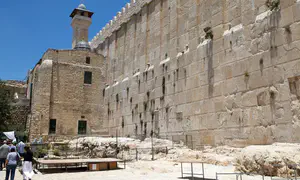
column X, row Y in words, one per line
column 16, row 91
column 218, row 71
column 59, row 92
column 65, row 88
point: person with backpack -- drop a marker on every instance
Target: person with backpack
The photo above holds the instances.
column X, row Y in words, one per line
column 11, row 164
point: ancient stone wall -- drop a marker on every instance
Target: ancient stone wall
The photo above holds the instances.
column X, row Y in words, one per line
column 237, row 83
column 59, row 93
column 16, row 91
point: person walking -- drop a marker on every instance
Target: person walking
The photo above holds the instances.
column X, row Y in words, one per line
column 4, row 149
column 12, row 145
column 20, row 148
column 27, row 165
column 11, row 164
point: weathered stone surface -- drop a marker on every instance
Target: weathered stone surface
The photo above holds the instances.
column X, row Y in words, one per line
column 59, row 92
column 226, row 66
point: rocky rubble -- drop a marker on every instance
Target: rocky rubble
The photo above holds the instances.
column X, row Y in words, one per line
column 270, row 160
column 278, row 159
column 130, row 149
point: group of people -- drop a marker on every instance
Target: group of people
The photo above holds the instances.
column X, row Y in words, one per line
column 11, row 155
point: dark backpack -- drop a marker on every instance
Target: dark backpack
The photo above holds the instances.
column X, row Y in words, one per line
column 18, row 157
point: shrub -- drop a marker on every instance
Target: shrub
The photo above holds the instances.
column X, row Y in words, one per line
column 56, row 152
column 273, row 4
column 91, row 147
column 41, row 152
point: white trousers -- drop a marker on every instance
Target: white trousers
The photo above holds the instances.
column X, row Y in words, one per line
column 27, row 170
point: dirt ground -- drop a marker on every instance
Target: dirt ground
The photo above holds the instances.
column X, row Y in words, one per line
column 142, row 170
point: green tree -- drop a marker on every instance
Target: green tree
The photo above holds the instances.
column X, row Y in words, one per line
column 5, row 108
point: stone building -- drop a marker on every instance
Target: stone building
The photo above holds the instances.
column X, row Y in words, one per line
column 204, row 71
column 208, row 71
column 16, row 91
column 65, row 87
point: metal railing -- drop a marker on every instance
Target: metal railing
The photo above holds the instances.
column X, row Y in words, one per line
column 238, row 176
column 192, row 173
column 153, row 152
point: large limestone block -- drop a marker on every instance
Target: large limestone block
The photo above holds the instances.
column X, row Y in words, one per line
column 249, row 99
column 283, row 112
column 266, row 78
column 263, row 97
column 234, row 36
column 261, row 116
column 240, row 67
column 230, row 86
column 192, row 82
column 296, row 11
column 218, row 74
column 278, row 75
column 287, row 16
column 219, row 104
column 227, row 71
column 295, row 30
column 216, row 89
column 283, row 91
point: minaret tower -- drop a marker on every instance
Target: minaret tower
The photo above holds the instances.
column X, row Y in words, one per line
column 81, row 21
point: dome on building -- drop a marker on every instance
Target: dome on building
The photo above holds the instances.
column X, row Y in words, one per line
column 82, row 6
column 82, row 45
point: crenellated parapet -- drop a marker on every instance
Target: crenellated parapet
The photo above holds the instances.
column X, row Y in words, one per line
column 122, row 16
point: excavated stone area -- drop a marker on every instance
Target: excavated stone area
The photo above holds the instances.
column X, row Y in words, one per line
column 222, row 155
column 271, row 160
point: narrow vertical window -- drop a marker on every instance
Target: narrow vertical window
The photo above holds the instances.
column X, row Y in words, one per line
column 52, row 126
column 88, row 60
column 81, row 127
column 87, row 77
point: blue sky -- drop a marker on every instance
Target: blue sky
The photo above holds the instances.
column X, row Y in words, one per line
column 29, row 28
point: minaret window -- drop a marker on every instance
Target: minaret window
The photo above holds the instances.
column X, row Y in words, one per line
column 81, row 127
column 88, row 60
column 52, row 126
column 87, row 77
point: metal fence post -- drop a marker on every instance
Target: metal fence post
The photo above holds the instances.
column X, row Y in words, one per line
column 192, row 169
column 286, row 171
column 172, row 142
column 167, row 152
column 263, row 175
column 192, row 142
column 203, row 170
column 181, row 170
column 186, row 140
column 136, row 154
